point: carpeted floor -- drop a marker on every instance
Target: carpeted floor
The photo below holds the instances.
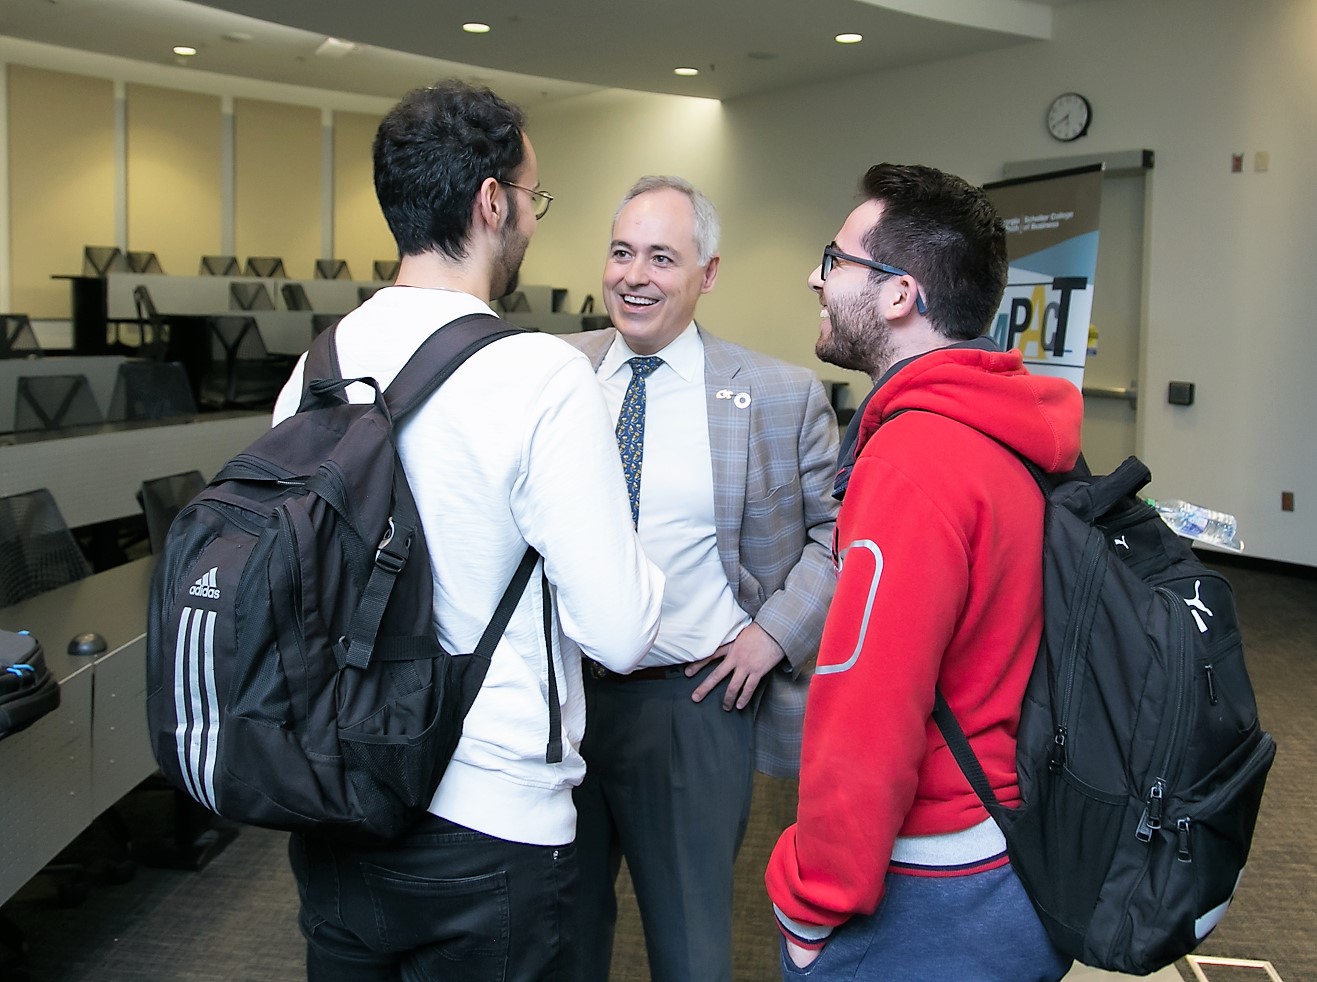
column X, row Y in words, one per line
column 235, row 920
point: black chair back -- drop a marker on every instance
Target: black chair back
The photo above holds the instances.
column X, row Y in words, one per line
column 385, row 269
column 332, row 269
column 242, row 373
column 162, row 498
column 16, row 337
column 249, row 296
column 151, row 390
column 143, row 262
column 265, row 266
column 295, row 297
column 99, row 260
column 53, row 402
column 37, row 550
column 219, row 266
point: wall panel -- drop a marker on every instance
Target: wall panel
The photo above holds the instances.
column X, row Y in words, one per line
column 360, row 233
column 173, row 141
column 277, row 175
column 61, row 181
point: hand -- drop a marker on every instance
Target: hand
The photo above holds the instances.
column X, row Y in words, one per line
column 747, row 658
column 802, row 957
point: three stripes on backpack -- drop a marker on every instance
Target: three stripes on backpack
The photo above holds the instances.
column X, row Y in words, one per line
column 196, row 703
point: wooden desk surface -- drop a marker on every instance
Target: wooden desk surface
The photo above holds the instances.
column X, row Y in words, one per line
column 94, row 476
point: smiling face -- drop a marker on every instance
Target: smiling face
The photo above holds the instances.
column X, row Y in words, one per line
column 653, row 277
column 852, row 330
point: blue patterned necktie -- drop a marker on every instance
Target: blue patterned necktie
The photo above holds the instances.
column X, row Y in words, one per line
column 631, row 428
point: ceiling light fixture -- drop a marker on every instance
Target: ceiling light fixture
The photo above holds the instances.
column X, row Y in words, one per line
column 476, row 28
column 335, row 48
column 184, row 50
column 849, row 38
column 686, row 72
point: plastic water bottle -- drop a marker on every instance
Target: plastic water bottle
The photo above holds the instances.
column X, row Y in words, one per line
column 1199, row 523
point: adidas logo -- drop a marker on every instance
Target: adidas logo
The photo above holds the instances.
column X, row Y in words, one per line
column 207, row 586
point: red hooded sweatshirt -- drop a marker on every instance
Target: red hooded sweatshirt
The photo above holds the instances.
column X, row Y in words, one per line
column 939, row 557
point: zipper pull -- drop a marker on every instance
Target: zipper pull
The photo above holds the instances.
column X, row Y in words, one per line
column 1182, row 852
column 1155, row 802
column 1211, row 685
column 1058, row 757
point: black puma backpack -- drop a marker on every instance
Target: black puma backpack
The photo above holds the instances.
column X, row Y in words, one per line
column 1140, row 757
column 294, row 679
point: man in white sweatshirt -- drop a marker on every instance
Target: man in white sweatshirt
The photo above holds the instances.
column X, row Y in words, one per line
column 515, row 449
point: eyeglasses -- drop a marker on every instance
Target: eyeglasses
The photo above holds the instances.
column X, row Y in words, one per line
column 540, row 200
column 831, row 254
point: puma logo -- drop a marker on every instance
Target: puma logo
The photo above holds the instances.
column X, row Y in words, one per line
column 1196, row 604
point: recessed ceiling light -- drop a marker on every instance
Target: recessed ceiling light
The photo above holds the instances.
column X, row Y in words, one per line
column 332, row 47
column 849, row 38
column 184, row 50
column 686, row 72
column 476, row 28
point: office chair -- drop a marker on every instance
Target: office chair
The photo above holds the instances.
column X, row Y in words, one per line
column 266, row 266
column 385, row 269
column 37, row 550
column 249, row 296
column 364, row 293
column 512, row 302
column 162, row 498
column 52, row 402
column 219, row 266
column 242, row 373
column 16, row 337
column 332, row 269
column 150, row 390
column 100, row 260
column 295, row 297
column 320, row 323
column 143, row 262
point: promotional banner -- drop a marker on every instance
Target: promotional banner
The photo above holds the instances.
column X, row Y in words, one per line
column 1052, row 241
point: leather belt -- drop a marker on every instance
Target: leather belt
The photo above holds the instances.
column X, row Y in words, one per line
column 654, row 673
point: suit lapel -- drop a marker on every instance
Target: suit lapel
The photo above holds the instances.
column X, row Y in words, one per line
column 729, row 441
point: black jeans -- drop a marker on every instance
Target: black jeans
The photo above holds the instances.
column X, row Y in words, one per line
column 442, row 902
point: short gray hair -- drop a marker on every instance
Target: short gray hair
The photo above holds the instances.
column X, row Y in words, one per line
column 706, row 216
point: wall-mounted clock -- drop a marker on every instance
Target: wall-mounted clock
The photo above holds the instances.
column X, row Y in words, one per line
column 1068, row 116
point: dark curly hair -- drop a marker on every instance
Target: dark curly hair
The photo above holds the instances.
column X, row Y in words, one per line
column 432, row 152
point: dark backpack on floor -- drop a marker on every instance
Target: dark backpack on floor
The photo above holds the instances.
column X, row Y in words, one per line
column 1141, row 761
column 294, row 679
column 27, row 689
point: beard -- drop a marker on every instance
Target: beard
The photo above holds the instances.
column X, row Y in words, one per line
column 512, row 249
column 859, row 337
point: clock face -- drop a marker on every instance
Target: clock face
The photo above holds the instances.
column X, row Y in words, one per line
column 1068, row 116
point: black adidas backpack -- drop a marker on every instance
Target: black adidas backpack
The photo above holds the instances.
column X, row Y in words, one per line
column 293, row 677
column 1141, row 760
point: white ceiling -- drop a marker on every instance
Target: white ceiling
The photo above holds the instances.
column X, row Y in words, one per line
column 538, row 50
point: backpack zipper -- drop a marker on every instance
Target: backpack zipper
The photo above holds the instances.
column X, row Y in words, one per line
column 1245, row 773
column 1151, row 820
column 1090, row 564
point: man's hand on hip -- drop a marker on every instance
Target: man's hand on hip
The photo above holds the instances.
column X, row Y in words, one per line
column 747, row 658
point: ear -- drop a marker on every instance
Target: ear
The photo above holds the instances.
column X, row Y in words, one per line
column 710, row 275
column 903, row 297
column 490, row 208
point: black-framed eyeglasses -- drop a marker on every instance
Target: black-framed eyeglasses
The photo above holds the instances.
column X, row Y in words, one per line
column 831, row 254
column 540, row 200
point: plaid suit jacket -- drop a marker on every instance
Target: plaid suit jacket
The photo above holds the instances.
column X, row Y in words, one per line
column 773, row 438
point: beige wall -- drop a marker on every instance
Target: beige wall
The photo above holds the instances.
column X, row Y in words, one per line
column 173, row 175
column 276, row 183
column 361, row 235
column 61, row 181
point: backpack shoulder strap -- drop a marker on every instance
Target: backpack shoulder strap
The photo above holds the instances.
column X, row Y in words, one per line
column 448, row 348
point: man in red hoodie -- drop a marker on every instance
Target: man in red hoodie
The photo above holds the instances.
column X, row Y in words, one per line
column 893, row 870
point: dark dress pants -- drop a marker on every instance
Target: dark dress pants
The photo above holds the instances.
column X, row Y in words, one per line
column 668, row 784
column 442, row 902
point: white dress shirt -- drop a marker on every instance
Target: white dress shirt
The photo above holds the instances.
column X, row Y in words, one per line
column 676, row 527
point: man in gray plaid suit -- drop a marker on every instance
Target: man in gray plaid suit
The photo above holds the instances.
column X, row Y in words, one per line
column 729, row 457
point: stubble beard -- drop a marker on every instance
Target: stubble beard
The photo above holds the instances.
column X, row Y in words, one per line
column 859, row 337
column 512, row 250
